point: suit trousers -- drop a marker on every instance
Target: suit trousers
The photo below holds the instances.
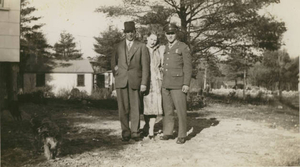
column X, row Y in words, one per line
column 129, row 110
column 171, row 98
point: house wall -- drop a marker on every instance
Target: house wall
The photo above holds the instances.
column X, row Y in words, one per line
column 60, row 82
column 10, row 31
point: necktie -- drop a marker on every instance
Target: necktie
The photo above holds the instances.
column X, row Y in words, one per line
column 129, row 45
column 128, row 48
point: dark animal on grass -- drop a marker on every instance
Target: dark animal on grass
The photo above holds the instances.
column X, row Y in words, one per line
column 48, row 135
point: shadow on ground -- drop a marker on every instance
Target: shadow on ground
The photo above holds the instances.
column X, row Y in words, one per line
column 82, row 127
column 196, row 122
column 86, row 134
column 85, row 129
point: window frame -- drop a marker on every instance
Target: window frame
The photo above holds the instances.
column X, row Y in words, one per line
column 80, row 81
column 3, row 7
column 40, row 80
column 1, row 3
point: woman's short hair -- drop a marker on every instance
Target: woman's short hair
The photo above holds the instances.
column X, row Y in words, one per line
column 154, row 33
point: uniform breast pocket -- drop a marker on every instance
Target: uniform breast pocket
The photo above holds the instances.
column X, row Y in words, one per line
column 177, row 77
column 177, row 73
column 178, row 52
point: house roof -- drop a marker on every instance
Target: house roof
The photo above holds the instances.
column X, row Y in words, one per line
column 63, row 66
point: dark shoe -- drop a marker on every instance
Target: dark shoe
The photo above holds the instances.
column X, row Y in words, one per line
column 151, row 137
column 144, row 133
column 180, row 140
column 166, row 137
column 125, row 139
column 136, row 136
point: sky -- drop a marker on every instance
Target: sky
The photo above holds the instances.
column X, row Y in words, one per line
column 288, row 11
column 78, row 18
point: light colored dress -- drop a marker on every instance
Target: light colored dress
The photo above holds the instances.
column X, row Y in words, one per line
column 153, row 98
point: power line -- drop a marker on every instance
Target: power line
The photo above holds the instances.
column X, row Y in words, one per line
column 57, row 32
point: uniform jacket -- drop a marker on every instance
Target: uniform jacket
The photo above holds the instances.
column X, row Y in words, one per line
column 177, row 68
column 136, row 72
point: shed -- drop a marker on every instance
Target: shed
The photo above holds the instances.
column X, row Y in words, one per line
column 61, row 76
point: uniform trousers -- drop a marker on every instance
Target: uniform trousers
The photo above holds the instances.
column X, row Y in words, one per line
column 129, row 101
column 171, row 98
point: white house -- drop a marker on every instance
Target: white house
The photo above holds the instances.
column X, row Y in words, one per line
column 102, row 77
column 61, row 76
column 104, row 80
column 9, row 50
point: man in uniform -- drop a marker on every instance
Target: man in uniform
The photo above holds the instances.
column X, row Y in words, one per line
column 177, row 73
column 130, row 63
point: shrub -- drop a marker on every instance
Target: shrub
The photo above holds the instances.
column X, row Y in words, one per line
column 37, row 95
column 252, row 96
column 195, row 101
column 77, row 94
column 63, row 93
column 101, row 93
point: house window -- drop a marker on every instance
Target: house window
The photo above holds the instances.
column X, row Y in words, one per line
column 1, row 3
column 40, row 80
column 80, row 80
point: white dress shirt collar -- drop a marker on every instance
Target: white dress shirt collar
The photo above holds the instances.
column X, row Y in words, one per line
column 129, row 42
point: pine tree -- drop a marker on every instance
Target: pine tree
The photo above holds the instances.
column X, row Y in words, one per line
column 65, row 48
column 34, row 45
column 104, row 46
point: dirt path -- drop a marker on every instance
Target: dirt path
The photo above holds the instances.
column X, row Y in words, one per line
column 219, row 135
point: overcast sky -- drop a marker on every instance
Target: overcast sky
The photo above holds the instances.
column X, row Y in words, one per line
column 78, row 18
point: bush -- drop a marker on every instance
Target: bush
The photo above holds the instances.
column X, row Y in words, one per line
column 252, row 96
column 77, row 94
column 63, row 93
column 195, row 101
column 101, row 93
column 36, row 95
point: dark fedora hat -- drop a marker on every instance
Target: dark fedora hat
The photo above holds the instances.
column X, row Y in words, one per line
column 129, row 26
column 171, row 27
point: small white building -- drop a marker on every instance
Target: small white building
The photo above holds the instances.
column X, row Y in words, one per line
column 104, row 80
column 102, row 77
column 61, row 76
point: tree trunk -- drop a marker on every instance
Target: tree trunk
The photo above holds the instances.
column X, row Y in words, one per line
column 205, row 75
column 280, row 76
column 182, row 15
column 279, row 87
column 244, row 85
column 235, row 86
column 9, row 89
column 4, row 68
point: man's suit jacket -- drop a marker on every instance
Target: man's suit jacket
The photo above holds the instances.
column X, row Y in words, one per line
column 177, row 66
column 136, row 72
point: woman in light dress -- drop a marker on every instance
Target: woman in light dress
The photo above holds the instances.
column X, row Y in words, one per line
column 152, row 98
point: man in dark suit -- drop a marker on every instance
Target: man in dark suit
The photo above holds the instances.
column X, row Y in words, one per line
column 130, row 63
column 177, row 73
